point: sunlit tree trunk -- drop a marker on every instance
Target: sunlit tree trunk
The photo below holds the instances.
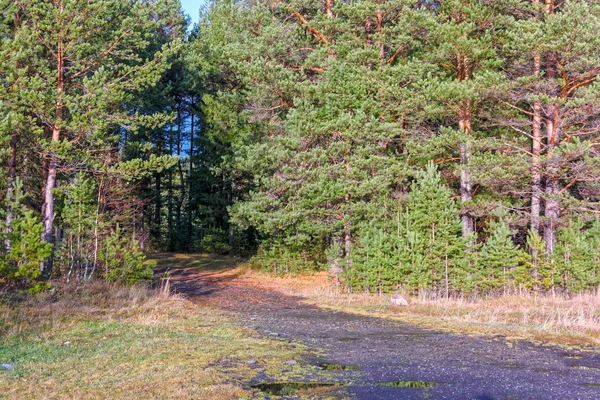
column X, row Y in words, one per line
column 329, row 8
column 10, row 181
column 536, row 150
column 552, row 204
column 48, row 206
column 465, row 125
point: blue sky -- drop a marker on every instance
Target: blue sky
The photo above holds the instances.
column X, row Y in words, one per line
column 191, row 7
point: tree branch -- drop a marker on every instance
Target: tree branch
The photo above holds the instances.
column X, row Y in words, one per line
column 315, row 32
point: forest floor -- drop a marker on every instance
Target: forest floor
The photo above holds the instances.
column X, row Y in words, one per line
column 377, row 351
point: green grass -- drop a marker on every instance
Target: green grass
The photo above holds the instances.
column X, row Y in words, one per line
column 205, row 262
column 131, row 343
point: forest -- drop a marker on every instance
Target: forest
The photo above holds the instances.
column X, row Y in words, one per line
column 445, row 147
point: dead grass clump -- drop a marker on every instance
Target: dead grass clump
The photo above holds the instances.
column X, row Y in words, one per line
column 561, row 319
column 65, row 305
column 224, row 392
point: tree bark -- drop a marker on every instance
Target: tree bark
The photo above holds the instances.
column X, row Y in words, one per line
column 465, row 125
column 536, row 172
column 552, row 204
column 48, row 207
column 536, row 168
column 348, row 244
column 171, row 241
column 347, row 224
column 157, row 207
column 329, row 8
column 12, row 168
column 379, row 31
column 182, row 183
column 552, row 209
column 10, row 185
column 466, row 189
column 189, row 182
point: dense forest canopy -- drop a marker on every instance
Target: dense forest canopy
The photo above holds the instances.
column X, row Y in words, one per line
column 447, row 147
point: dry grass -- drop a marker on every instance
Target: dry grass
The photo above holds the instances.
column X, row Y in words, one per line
column 129, row 343
column 555, row 319
column 63, row 306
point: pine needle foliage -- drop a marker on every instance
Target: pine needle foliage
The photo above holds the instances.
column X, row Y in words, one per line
column 422, row 251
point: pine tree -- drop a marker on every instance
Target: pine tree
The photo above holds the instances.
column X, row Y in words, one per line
column 578, row 255
column 554, row 68
column 322, row 141
column 87, row 60
column 499, row 259
column 463, row 67
column 21, row 249
column 422, row 250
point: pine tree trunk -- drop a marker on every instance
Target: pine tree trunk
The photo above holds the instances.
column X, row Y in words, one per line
column 190, row 236
column 536, row 168
column 158, row 207
column 48, row 207
column 182, row 183
column 552, row 205
column 552, row 209
column 348, row 245
column 466, row 189
column 465, row 125
column 171, row 242
column 536, row 172
column 329, row 8
column 379, row 30
column 160, row 145
column 347, row 225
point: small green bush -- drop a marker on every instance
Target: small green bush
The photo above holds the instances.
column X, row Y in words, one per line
column 21, row 249
column 123, row 260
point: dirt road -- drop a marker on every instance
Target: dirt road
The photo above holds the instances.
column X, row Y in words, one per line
column 372, row 358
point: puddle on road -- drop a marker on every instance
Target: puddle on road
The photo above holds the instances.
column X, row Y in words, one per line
column 512, row 365
column 327, row 366
column 409, row 384
column 292, row 388
column 573, row 357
